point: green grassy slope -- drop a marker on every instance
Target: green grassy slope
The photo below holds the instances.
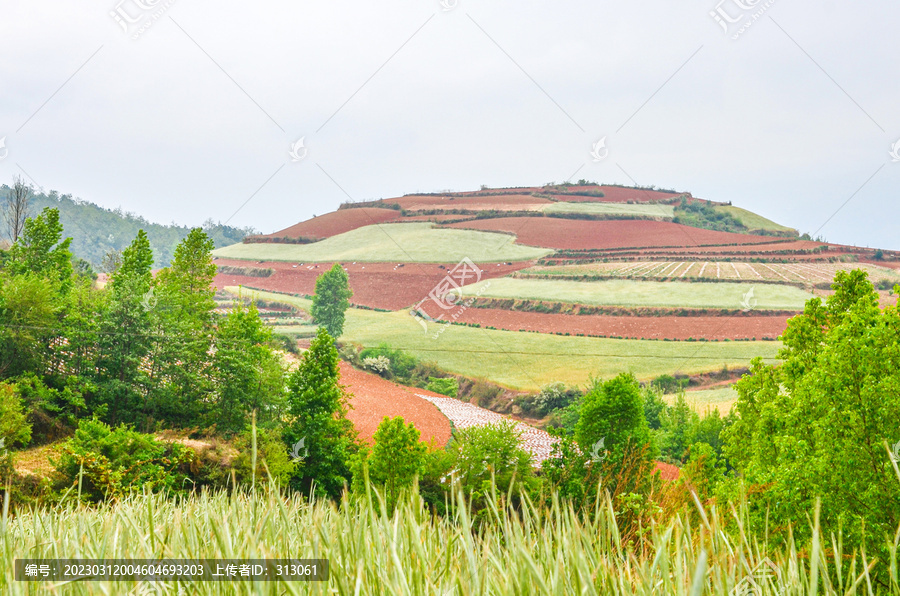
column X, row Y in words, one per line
column 752, row 220
column 725, row 295
column 405, row 242
column 528, row 361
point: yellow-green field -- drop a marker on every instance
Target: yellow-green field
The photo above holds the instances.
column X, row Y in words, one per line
column 528, row 361
column 628, row 293
column 753, row 220
column 702, row 400
column 640, row 210
column 405, row 242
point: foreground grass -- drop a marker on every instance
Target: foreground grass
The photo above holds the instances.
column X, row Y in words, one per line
column 403, row 243
column 628, row 293
column 527, row 551
column 528, row 361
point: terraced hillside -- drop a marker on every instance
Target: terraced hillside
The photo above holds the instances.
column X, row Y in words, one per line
column 566, row 281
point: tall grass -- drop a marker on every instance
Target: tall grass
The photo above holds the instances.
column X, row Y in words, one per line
column 527, row 549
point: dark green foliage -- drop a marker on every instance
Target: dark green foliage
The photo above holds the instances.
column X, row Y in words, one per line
column 402, row 364
column 448, row 386
column 396, row 460
column 700, row 214
column 14, row 426
column 820, row 425
column 317, row 405
column 613, row 412
column 246, row 372
column 97, row 231
column 272, row 459
column 654, row 408
column 493, row 449
column 100, row 463
column 669, row 384
column 331, row 300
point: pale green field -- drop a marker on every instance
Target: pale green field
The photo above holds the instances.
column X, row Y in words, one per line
column 405, row 242
column 660, row 211
column 701, row 401
column 528, row 361
column 630, row 293
column 753, row 220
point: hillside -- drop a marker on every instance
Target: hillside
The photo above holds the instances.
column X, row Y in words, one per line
column 96, row 231
column 559, row 282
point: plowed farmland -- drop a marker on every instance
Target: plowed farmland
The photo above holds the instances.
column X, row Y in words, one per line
column 674, row 328
column 336, row 222
column 376, row 285
column 567, row 234
column 374, row 398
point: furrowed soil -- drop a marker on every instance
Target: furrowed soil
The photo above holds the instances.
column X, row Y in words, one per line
column 375, row 285
column 674, row 328
column 337, row 222
column 374, row 398
column 569, row 234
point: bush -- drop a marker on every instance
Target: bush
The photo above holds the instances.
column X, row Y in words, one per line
column 380, row 365
column 101, row 462
column 272, row 459
column 401, row 363
column 448, row 386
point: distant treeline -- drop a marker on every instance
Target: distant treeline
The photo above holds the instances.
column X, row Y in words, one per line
column 97, row 231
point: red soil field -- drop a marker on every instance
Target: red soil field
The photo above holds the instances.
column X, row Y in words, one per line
column 675, row 328
column 798, row 245
column 573, row 234
column 374, row 398
column 482, row 202
column 377, row 285
column 337, row 222
column 667, row 471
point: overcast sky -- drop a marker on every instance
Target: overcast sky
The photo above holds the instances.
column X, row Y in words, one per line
column 194, row 116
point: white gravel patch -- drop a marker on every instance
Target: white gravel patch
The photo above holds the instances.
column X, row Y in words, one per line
column 462, row 414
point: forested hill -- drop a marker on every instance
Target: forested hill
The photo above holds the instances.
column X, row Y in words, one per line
column 95, row 231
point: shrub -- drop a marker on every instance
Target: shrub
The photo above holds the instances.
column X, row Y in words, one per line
column 380, row 365
column 401, row 363
column 101, row 462
column 448, row 386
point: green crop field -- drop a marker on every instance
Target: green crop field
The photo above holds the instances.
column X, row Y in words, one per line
column 702, row 400
column 528, row 361
column 405, row 242
column 628, row 293
column 643, row 210
column 753, row 220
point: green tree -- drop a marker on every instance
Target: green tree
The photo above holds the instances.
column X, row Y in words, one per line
column 816, row 426
column 613, row 412
column 317, row 408
column 331, row 300
column 29, row 307
column 397, row 457
column 491, row 450
column 41, row 249
column 247, row 372
column 125, row 335
column 183, row 330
